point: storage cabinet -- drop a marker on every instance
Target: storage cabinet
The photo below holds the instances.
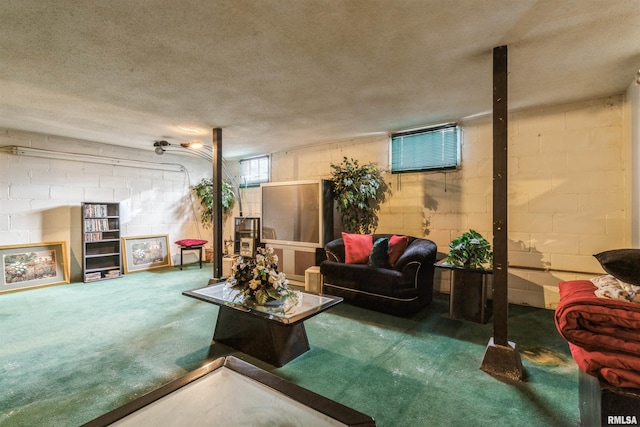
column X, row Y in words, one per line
column 101, row 258
column 246, row 236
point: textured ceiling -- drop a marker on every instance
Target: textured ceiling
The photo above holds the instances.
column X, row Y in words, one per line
column 275, row 74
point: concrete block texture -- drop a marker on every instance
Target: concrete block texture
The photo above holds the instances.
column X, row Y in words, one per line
column 569, row 190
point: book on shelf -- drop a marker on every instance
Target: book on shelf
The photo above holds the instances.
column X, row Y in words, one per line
column 112, row 273
column 96, row 224
column 89, row 277
column 92, row 237
column 95, row 210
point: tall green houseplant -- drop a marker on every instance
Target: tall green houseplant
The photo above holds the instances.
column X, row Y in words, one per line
column 204, row 191
column 358, row 190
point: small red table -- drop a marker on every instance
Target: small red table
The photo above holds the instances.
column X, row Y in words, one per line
column 191, row 245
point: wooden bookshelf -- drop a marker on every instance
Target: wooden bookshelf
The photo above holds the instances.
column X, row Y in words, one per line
column 101, row 251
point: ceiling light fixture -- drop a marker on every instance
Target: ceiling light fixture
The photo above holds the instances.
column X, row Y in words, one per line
column 190, row 147
column 195, row 144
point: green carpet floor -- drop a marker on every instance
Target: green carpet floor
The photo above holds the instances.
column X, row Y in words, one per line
column 70, row 353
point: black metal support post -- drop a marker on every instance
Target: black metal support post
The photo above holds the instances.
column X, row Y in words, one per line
column 501, row 358
column 217, row 204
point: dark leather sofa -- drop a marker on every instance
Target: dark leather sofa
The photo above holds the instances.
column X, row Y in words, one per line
column 400, row 291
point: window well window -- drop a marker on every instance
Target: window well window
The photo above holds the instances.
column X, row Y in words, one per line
column 253, row 171
column 432, row 148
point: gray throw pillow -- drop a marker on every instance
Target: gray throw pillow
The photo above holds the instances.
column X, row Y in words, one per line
column 379, row 256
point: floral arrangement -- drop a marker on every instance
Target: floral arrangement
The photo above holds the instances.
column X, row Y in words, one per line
column 258, row 278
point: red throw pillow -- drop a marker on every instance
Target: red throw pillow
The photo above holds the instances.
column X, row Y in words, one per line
column 357, row 248
column 397, row 246
column 191, row 242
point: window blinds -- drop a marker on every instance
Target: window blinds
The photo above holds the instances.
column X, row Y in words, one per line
column 434, row 148
column 254, row 171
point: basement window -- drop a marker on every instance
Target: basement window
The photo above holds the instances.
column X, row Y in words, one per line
column 254, row 171
column 426, row 149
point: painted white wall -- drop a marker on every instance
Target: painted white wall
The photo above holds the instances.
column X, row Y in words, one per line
column 40, row 198
column 569, row 192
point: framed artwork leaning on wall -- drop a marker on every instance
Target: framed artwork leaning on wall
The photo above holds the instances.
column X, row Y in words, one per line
column 145, row 252
column 33, row 265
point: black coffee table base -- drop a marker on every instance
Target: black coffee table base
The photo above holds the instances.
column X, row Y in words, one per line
column 271, row 342
column 266, row 333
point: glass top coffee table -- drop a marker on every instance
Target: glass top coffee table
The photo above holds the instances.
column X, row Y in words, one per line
column 273, row 334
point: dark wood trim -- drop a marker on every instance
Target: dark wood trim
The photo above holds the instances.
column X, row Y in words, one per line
column 501, row 357
column 217, row 202
column 328, row 407
column 500, row 192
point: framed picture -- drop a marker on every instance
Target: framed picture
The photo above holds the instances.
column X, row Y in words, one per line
column 33, row 265
column 145, row 252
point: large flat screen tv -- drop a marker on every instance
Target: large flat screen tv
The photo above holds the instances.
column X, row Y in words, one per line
column 298, row 213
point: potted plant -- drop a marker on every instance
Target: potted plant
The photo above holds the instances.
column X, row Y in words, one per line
column 204, row 191
column 470, row 250
column 469, row 293
column 359, row 191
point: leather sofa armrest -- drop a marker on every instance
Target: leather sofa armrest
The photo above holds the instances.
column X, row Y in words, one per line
column 419, row 250
column 335, row 250
column 417, row 262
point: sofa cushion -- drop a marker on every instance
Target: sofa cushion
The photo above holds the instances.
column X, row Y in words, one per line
column 397, row 246
column 357, row 248
column 362, row 277
column 621, row 264
column 191, row 242
column 379, row 256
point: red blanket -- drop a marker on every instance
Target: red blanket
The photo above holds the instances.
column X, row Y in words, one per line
column 604, row 333
column 618, row 369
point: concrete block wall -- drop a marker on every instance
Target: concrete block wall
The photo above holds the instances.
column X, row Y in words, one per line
column 40, row 198
column 569, row 191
